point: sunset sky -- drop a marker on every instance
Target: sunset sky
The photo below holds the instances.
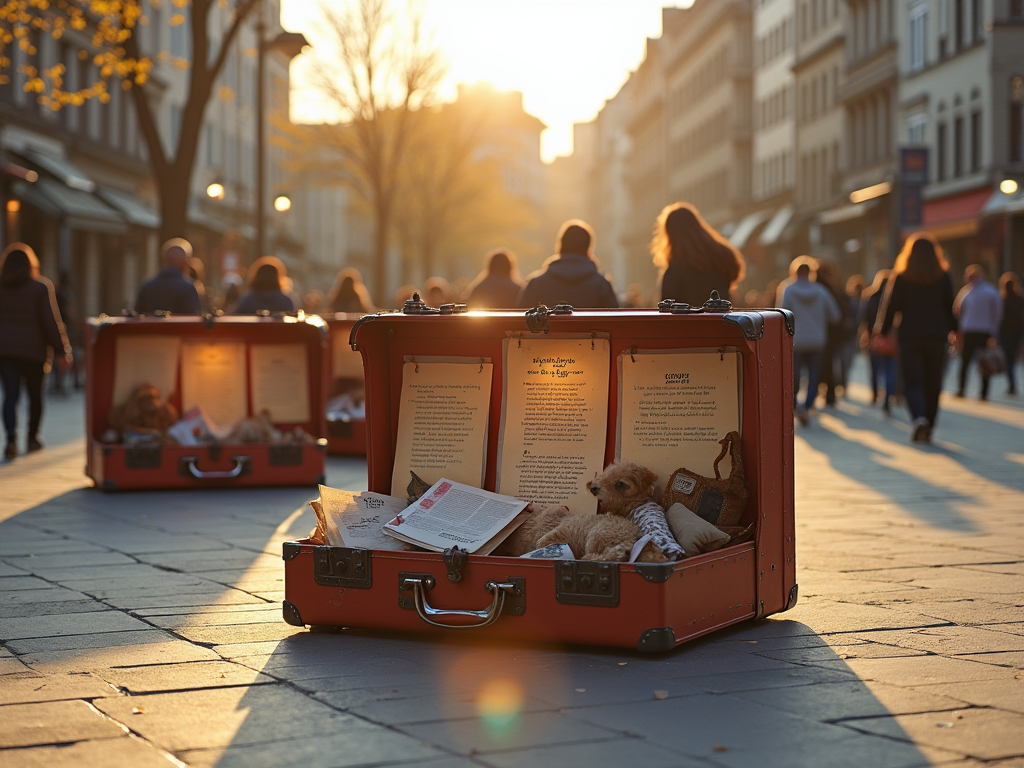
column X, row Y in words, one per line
column 566, row 56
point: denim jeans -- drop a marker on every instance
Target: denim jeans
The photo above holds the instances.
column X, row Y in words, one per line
column 883, row 368
column 809, row 359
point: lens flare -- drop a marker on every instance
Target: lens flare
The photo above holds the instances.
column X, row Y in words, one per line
column 499, row 703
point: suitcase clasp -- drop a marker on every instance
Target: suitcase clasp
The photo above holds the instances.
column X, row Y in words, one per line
column 582, row 582
column 342, row 567
column 455, row 560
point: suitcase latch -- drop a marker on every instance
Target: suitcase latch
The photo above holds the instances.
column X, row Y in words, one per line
column 455, row 560
column 582, row 582
column 342, row 567
column 143, row 457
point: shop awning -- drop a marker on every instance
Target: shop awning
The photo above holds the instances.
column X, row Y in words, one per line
column 1001, row 204
column 774, row 228
column 746, row 228
column 846, row 212
column 79, row 209
column 956, row 216
column 130, row 207
column 62, row 169
column 207, row 220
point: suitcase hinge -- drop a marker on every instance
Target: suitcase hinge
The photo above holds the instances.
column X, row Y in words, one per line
column 342, row 567
column 717, row 304
column 455, row 560
column 414, row 305
column 581, row 582
column 537, row 318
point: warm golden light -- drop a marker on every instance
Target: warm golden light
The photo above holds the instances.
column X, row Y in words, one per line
column 1008, row 187
column 215, row 190
column 31, row 176
column 282, row 203
column 870, row 193
column 13, row 206
column 499, row 703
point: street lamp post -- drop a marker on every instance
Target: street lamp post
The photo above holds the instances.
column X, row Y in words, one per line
column 291, row 44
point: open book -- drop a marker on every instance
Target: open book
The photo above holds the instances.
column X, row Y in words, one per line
column 452, row 514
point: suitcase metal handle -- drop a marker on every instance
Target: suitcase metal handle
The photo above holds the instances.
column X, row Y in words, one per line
column 241, row 467
column 419, row 585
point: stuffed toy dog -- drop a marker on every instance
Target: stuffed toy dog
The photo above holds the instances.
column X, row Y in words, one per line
column 144, row 411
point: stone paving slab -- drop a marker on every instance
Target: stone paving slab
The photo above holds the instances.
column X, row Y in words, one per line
column 124, row 752
column 55, row 722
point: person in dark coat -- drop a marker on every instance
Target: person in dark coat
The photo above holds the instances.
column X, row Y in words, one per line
column 265, row 289
column 170, row 290
column 349, row 294
column 30, row 329
column 922, row 291
column 1011, row 328
column 498, row 286
column 694, row 258
column 570, row 276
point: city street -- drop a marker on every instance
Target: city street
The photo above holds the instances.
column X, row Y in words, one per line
column 144, row 629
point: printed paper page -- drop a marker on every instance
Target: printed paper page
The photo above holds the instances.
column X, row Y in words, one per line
column 357, row 519
column 442, row 423
column 280, row 381
column 554, row 420
column 145, row 360
column 453, row 514
column 675, row 407
column 213, row 380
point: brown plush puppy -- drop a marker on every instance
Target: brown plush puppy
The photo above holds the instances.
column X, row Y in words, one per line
column 143, row 411
column 601, row 537
column 524, row 538
column 622, row 487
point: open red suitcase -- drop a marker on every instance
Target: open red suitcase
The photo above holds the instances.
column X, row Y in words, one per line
column 120, row 467
column 651, row 607
column 346, row 432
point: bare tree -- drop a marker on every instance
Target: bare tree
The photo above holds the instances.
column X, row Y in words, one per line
column 383, row 70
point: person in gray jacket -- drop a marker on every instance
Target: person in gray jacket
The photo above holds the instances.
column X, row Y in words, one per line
column 571, row 276
column 813, row 308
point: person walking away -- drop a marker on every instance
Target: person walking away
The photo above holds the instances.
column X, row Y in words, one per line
column 349, row 294
column 882, row 366
column 1011, row 329
column 813, row 308
column 197, row 274
column 979, row 309
column 854, row 291
column 265, row 289
column 570, row 276
column 921, row 290
column 170, row 290
column 694, row 258
column 30, row 329
column 436, row 291
column 831, row 362
column 498, row 285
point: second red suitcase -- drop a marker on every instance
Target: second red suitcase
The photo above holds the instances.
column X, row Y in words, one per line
column 651, row 607
column 346, row 419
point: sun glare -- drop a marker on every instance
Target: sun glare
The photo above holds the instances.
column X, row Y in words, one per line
column 566, row 56
column 499, row 703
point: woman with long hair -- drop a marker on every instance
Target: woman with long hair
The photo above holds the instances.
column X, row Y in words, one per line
column 265, row 291
column 921, row 290
column 498, row 285
column 30, row 326
column 1011, row 328
column 349, row 294
column 694, row 258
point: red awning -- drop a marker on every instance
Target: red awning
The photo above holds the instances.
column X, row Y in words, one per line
column 956, row 216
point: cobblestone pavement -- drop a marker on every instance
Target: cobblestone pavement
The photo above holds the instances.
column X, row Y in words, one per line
column 143, row 629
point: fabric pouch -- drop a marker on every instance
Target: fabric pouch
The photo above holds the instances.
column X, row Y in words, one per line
column 719, row 502
column 694, row 534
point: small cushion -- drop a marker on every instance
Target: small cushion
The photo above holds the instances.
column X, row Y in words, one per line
column 649, row 517
column 694, row 534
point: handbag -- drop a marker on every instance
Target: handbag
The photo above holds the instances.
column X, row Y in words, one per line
column 719, row 502
column 884, row 344
column 992, row 361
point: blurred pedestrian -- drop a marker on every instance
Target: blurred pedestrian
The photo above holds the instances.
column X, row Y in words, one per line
column 234, row 284
column 883, row 367
column 1011, row 329
column 405, row 293
column 436, row 291
column 979, row 308
column 170, row 290
column 814, row 309
column 570, row 276
column 694, row 258
column 31, row 330
column 313, row 302
column 828, row 275
column 921, row 290
column 854, row 290
column 498, row 285
column 349, row 294
column 265, row 290
column 197, row 274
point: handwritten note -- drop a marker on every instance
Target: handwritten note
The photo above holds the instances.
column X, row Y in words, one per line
column 675, row 407
column 442, row 422
column 280, row 381
column 357, row 519
column 145, row 360
column 554, row 420
column 213, row 379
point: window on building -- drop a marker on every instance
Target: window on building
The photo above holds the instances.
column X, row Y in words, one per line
column 916, row 125
column 958, row 146
column 958, row 25
column 975, row 141
column 1017, row 9
column 940, row 152
column 1017, row 119
column 977, row 25
column 917, row 41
